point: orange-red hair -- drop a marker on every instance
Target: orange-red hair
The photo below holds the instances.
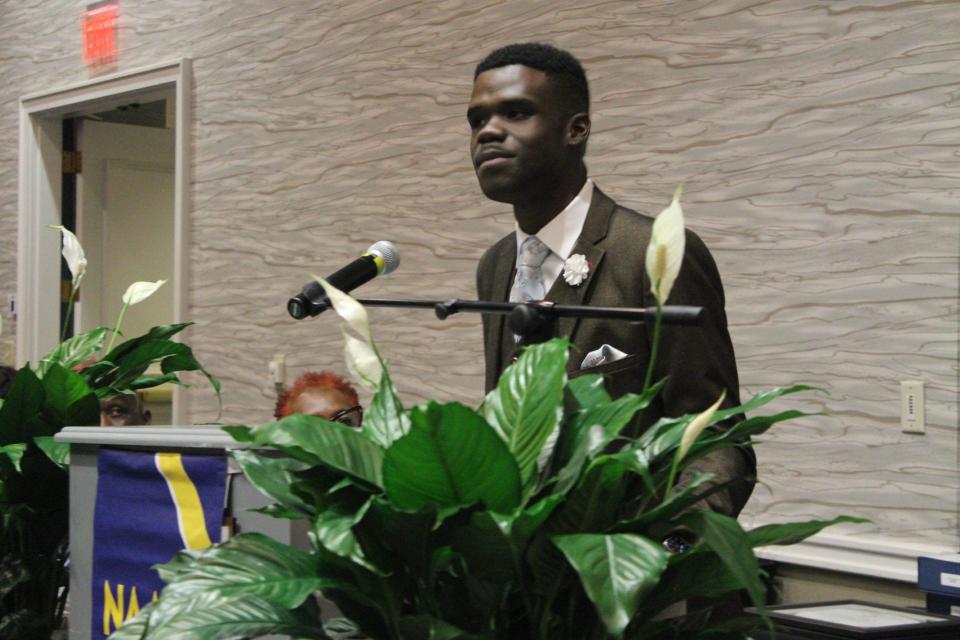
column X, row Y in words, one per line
column 313, row 380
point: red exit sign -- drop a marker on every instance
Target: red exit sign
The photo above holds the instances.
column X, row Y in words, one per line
column 100, row 33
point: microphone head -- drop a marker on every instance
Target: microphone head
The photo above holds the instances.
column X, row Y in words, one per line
column 389, row 253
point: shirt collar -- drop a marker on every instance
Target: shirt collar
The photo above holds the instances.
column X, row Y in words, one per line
column 561, row 233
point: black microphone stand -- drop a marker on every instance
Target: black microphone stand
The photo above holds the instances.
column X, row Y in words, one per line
column 535, row 321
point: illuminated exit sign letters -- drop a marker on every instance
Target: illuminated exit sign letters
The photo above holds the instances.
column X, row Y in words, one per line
column 100, row 33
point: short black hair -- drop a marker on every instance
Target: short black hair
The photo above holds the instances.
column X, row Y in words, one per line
column 556, row 63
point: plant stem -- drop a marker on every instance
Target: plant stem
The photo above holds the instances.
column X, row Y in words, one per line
column 123, row 311
column 66, row 320
column 518, row 572
column 671, row 477
column 654, row 348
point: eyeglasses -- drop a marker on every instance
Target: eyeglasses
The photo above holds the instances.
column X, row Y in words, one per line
column 351, row 417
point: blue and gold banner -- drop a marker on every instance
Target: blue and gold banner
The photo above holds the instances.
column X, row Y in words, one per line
column 149, row 506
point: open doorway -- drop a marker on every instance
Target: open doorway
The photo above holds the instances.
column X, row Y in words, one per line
column 129, row 192
column 125, row 211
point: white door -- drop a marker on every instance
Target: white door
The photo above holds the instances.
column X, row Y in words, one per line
column 125, row 222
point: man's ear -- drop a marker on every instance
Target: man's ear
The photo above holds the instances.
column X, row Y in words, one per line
column 578, row 129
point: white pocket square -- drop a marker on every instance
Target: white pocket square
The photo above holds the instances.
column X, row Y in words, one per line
column 604, row 355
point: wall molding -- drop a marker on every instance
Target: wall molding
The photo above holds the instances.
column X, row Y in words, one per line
column 887, row 559
column 39, row 188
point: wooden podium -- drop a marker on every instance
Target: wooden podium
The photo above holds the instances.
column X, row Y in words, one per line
column 85, row 442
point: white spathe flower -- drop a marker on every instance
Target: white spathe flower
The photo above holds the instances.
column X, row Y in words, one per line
column 72, row 253
column 665, row 251
column 575, row 269
column 361, row 357
column 696, row 427
column 140, row 291
column 347, row 308
column 362, row 361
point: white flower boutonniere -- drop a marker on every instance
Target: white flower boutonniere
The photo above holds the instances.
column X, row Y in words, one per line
column 575, row 269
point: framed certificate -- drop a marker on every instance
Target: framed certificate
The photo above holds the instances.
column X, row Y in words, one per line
column 843, row 619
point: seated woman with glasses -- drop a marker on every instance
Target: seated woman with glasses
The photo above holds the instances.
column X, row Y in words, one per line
column 321, row 394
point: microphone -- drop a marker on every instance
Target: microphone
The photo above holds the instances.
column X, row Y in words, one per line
column 380, row 259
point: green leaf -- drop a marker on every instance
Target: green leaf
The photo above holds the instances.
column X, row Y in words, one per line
column 576, row 446
column 405, row 537
column 663, row 437
column 486, row 549
column 69, row 400
column 146, row 382
column 424, row 627
column 661, row 514
column 762, row 399
column 691, row 575
column 247, row 565
column 274, row 476
column 20, row 413
column 206, row 616
column 185, row 361
column 637, row 461
column 157, row 333
column 384, row 421
column 58, row 452
column 450, row 458
column 527, row 404
column 616, row 571
column 724, row 535
column 590, row 430
column 319, row 441
column 12, row 573
column 616, row 415
column 14, row 452
column 794, row 532
column 593, row 506
column 125, row 364
column 588, row 390
column 737, row 434
column 524, row 525
column 333, row 527
column 74, row 351
column 135, row 627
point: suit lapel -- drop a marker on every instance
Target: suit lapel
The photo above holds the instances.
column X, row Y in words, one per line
column 594, row 230
column 502, row 268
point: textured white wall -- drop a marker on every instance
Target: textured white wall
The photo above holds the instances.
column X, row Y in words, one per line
column 817, row 140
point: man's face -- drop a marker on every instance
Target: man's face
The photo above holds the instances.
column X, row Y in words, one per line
column 122, row 410
column 517, row 133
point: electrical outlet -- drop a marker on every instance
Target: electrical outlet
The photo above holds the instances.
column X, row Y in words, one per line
column 278, row 370
column 912, row 419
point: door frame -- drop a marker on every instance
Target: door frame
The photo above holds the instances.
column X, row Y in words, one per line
column 41, row 152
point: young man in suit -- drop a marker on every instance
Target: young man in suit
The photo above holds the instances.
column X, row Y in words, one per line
column 529, row 118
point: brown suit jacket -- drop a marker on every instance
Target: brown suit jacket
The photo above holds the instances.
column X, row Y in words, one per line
column 698, row 361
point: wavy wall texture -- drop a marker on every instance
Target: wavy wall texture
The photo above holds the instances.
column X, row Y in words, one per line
column 817, row 140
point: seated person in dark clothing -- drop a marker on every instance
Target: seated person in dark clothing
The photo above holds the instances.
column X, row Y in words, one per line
column 123, row 410
column 321, row 394
column 6, row 380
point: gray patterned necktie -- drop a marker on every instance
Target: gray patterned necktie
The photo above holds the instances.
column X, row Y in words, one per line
column 528, row 284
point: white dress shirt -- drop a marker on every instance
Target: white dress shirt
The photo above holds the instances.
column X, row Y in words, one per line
column 560, row 234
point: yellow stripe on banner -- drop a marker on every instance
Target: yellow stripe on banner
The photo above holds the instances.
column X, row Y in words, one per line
column 193, row 528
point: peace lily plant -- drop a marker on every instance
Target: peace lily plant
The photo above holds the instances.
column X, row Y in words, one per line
column 532, row 516
column 63, row 389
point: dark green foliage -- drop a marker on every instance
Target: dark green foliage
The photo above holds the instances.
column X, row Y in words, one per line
column 62, row 391
column 441, row 522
